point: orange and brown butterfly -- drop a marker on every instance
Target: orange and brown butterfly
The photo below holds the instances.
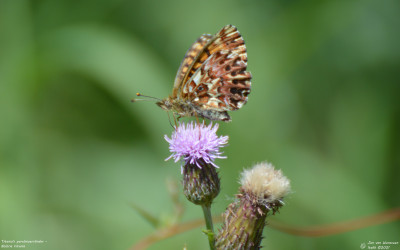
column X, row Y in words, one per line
column 212, row 78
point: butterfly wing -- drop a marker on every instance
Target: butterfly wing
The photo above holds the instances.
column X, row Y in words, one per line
column 218, row 78
column 222, row 83
column 187, row 64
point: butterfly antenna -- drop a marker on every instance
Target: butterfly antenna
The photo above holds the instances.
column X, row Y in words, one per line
column 150, row 97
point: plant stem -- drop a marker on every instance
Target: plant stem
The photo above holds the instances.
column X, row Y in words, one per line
column 209, row 225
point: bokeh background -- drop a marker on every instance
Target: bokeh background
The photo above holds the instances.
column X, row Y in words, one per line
column 75, row 153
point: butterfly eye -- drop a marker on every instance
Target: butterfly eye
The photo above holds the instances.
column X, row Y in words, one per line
column 200, row 88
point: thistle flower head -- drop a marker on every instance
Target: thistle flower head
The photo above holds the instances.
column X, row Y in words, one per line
column 262, row 190
column 264, row 183
column 193, row 143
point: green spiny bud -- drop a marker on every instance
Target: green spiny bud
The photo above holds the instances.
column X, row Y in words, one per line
column 200, row 183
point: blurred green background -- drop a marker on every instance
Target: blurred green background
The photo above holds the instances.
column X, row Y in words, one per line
column 74, row 152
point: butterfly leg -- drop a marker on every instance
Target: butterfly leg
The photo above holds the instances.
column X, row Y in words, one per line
column 176, row 119
column 204, row 121
column 169, row 119
column 197, row 118
column 198, row 123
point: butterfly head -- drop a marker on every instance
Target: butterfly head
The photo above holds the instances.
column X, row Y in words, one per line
column 165, row 104
column 177, row 106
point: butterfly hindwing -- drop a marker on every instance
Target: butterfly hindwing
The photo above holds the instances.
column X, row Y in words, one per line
column 212, row 78
column 221, row 82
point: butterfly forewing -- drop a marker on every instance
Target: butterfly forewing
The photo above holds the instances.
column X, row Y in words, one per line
column 188, row 61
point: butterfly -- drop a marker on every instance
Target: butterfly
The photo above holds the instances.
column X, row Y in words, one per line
column 212, row 78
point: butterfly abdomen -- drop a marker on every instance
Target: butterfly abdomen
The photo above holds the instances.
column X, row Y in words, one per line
column 214, row 115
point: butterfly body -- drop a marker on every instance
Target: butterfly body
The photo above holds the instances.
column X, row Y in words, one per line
column 212, row 78
column 184, row 109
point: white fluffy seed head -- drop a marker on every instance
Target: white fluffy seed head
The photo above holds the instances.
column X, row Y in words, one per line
column 265, row 183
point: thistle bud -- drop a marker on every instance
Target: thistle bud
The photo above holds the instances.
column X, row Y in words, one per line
column 262, row 191
column 200, row 185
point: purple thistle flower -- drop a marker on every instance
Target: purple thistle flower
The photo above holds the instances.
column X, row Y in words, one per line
column 194, row 142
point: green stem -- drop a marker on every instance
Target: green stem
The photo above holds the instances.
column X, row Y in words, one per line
column 209, row 225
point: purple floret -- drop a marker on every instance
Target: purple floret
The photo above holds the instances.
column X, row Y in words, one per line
column 192, row 142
